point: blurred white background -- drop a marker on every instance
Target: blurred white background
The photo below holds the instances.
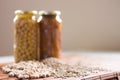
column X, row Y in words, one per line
column 88, row 25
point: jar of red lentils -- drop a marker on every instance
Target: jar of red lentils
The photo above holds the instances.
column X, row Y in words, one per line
column 50, row 25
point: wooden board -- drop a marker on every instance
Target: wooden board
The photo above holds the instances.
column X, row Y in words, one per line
column 73, row 60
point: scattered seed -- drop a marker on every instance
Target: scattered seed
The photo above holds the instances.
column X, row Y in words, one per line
column 50, row 67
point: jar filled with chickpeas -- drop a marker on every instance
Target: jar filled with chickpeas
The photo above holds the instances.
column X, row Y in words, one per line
column 26, row 36
column 50, row 25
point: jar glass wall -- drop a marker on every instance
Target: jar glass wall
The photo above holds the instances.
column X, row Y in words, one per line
column 25, row 36
column 50, row 25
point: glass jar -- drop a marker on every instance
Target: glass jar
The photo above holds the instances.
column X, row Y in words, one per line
column 25, row 36
column 50, row 25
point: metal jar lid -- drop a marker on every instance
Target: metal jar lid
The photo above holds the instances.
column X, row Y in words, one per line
column 49, row 13
column 17, row 12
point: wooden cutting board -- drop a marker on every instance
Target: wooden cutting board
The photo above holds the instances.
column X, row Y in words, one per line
column 73, row 59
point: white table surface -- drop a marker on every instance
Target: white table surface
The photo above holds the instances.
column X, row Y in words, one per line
column 106, row 60
column 110, row 55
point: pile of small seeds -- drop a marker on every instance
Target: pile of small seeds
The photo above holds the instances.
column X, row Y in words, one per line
column 63, row 70
column 27, row 69
column 50, row 67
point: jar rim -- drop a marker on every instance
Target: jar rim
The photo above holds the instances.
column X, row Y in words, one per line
column 32, row 12
column 56, row 12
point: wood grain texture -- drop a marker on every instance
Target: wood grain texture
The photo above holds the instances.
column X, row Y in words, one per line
column 73, row 60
